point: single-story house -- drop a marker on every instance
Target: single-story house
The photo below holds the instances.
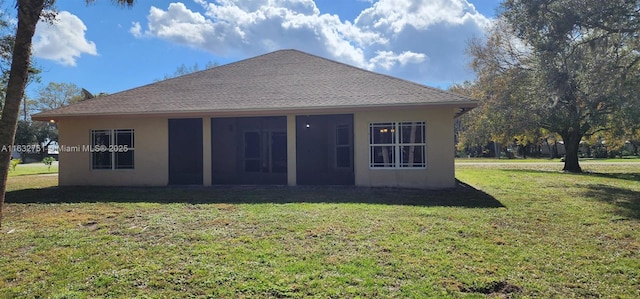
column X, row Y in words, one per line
column 283, row 118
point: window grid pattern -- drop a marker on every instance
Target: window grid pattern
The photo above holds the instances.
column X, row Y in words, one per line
column 397, row 145
column 112, row 149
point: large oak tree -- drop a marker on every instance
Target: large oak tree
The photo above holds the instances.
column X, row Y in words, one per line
column 568, row 66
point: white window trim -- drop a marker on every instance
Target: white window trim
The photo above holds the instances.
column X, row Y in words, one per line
column 397, row 145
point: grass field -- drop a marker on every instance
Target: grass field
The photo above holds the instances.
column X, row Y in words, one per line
column 522, row 230
column 34, row 168
column 632, row 159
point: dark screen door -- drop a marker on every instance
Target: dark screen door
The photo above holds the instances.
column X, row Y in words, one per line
column 185, row 151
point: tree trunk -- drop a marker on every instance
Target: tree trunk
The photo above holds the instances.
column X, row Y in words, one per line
column 551, row 151
column 571, row 140
column 28, row 15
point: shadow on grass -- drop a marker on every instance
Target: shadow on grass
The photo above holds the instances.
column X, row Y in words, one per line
column 462, row 196
column 627, row 201
column 621, row 176
column 629, row 176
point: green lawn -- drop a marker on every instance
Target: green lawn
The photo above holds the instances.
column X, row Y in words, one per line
column 522, row 230
column 34, row 168
column 505, row 160
column 545, row 160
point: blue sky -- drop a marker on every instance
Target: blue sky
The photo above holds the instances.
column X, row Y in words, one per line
column 104, row 48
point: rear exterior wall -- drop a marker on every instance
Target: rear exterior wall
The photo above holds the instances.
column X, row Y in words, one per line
column 439, row 172
column 151, row 151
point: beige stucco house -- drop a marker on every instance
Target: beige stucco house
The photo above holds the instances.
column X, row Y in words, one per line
column 284, row 118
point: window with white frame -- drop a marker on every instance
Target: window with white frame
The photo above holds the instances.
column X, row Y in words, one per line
column 112, row 149
column 397, row 145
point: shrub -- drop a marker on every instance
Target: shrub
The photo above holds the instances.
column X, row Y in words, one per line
column 48, row 161
column 14, row 164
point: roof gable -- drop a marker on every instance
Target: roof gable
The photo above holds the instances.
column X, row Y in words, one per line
column 281, row 80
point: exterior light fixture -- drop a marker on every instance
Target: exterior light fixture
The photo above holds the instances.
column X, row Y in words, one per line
column 307, row 125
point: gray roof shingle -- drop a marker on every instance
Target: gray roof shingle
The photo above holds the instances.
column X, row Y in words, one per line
column 281, row 80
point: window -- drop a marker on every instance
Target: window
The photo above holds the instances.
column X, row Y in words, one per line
column 397, row 145
column 112, row 149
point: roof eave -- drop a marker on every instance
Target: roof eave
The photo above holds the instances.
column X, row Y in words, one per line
column 462, row 105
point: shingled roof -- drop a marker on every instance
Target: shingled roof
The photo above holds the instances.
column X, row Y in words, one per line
column 274, row 82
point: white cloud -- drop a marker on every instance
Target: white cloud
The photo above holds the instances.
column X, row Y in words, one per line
column 419, row 40
column 388, row 59
column 63, row 41
column 396, row 15
column 136, row 29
